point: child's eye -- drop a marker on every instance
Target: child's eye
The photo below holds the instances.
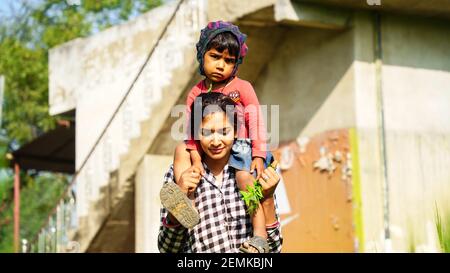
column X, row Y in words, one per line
column 231, row 61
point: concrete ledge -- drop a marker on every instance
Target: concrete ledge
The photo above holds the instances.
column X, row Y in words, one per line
column 311, row 15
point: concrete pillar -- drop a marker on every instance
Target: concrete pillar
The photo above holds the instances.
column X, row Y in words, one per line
column 367, row 135
column 149, row 180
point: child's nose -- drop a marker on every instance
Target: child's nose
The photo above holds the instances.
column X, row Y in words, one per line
column 220, row 64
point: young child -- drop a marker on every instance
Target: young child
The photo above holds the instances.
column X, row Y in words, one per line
column 220, row 50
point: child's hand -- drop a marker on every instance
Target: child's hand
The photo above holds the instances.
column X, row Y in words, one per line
column 258, row 165
column 197, row 161
column 199, row 166
column 189, row 180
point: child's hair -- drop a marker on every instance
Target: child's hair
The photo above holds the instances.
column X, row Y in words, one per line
column 225, row 40
column 209, row 103
column 221, row 35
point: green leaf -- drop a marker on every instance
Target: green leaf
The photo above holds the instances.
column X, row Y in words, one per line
column 252, row 197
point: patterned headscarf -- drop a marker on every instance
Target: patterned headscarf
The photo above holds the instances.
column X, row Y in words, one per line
column 210, row 31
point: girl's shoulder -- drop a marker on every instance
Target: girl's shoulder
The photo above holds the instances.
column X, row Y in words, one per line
column 197, row 89
column 198, row 86
column 242, row 85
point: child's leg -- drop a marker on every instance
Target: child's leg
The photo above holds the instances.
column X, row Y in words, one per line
column 244, row 178
column 181, row 160
column 259, row 223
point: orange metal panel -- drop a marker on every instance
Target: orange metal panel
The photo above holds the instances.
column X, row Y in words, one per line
column 321, row 199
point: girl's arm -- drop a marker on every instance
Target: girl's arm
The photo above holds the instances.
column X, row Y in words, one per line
column 255, row 120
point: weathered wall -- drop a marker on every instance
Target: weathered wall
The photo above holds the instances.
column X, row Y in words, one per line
column 230, row 10
column 327, row 80
column 310, row 77
column 149, row 180
column 416, row 92
column 99, row 70
column 367, row 136
column 429, row 8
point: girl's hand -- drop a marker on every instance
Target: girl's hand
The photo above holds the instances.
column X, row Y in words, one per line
column 269, row 180
column 189, row 180
column 258, row 165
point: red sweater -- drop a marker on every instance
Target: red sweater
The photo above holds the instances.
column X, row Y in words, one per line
column 249, row 113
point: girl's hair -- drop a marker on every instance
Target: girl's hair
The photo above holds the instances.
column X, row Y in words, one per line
column 209, row 103
column 225, row 40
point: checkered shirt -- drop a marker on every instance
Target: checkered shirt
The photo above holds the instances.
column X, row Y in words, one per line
column 224, row 224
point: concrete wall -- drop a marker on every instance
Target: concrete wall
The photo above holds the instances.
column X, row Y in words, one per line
column 105, row 61
column 367, row 136
column 327, row 80
column 149, row 180
column 416, row 91
column 231, row 10
column 413, row 78
column 429, row 8
column 109, row 74
column 310, row 77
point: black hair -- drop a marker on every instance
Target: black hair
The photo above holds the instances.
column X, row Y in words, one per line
column 209, row 103
column 225, row 40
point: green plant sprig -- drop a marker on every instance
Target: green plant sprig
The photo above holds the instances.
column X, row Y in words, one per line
column 253, row 195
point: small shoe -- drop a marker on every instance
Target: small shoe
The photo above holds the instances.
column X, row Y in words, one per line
column 179, row 205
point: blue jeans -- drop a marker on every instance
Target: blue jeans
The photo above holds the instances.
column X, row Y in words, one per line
column 241, row 155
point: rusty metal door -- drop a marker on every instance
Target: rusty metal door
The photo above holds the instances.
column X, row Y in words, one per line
column 317, row 177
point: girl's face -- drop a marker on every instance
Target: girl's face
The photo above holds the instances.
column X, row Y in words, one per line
column 216, row 135
column 218, row 66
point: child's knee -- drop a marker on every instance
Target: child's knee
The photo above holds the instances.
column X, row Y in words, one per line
column 244, row 178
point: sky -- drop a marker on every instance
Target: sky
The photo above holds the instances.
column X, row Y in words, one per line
column 6, row 5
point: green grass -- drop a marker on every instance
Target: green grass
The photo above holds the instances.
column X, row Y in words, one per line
column 412, row 243
column 443, row 229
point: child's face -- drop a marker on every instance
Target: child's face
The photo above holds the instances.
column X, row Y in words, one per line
column 216, row 135
column 218, row 66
